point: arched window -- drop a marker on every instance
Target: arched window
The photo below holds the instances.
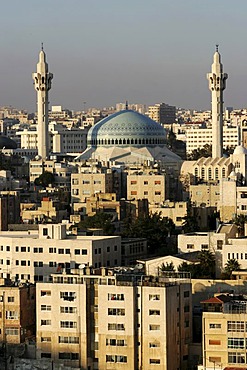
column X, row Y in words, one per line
column 116, row 142
column 216, row 173
column 223, row 172
column 203, row 173
column 210, row 173
column 120, row 141
column 112, row 141
column 196, row 172
column 128, row 141
column 124, row 141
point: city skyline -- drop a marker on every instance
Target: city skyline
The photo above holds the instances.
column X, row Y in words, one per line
column 104, row 54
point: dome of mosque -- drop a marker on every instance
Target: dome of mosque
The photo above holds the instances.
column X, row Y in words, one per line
column 7, row 143
column 240, row 150
column 126, row 128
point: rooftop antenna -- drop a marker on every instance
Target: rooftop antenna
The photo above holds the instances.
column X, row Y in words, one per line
column 126, row 105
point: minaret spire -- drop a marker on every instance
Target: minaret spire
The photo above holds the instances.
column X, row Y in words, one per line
column 217, row 84
column 42, row 83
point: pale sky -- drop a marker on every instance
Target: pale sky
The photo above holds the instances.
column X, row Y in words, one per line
column 108, row 51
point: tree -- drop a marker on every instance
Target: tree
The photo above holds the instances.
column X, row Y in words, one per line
column 205, row 151
column 167, row 267
column 231, row 265
column 100, row 220
column 155, row 228
column 207, row 264
column 190, row 223
column 45, row 179
column 240, row 221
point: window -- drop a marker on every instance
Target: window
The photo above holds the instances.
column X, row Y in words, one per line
column 204, row 246
column 154, row 361
column 60, row 251
column 45, row 293
column 68, row 324
column 154, row 297
column 38, row 264
column 52, row 264
column 108, row 249
column 11, row 331
column 157, row 182
column 186, row 294
column 45, row 231
column 68, row 309
column 116, row 358
column 11, row 299
column 45, row 322
column 84, row 252
column 17, row 249
column 116, row 311
column 37, row 250
column 11, row 315
column 45, row 355
column 115, row 297
column 187, row 308
column 236, row 343
column 145, row 182
column 190, row 246
column 236, row 358
column 154, row 312
column 157, row 193
column 45, row 339
column 214, row 342
column 52, row 250
column 114, row 326
column 45, row 307
column 154, row 327
column 7, row 248
column 154, row 344
column 237, row 326
column 68, row 296
column 133, row 182
column 23, row 249
column 116, row 342
column 77, row 251
column 68, row 356
column 219, row 244
column 115, row 248
column 71, row 340
column 214, row 326
column 67, row 251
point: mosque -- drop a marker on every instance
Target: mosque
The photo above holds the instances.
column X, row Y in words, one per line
column 128, row 137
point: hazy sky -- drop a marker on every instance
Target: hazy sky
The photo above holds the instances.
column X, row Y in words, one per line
column 106, row 51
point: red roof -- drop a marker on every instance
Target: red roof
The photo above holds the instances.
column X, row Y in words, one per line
column 212, row 300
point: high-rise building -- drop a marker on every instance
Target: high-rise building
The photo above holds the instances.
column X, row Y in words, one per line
column 217, row 83
column 114, row 320
column 162, row 113
column 42, row 82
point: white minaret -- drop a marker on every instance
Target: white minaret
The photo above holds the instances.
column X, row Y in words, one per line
column 217, row 83
column 42, row 83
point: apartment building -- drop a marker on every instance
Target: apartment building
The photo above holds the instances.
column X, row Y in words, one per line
column 17, row 311
column 174, row 210
column 197, row 138
column 162, row 113
column 224, row 332
column 147, row 186
column 31, row 255
column 114, row 320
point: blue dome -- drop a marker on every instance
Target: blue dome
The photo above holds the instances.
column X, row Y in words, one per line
column 126, row 128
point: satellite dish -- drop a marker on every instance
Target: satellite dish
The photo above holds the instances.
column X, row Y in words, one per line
column 82, row 266
column 139, row 266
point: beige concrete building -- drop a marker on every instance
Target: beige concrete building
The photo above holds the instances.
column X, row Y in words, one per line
column 174, row 210
column 31, row 255
column 47, row 212
column 224, row 332
column 17, row 312
column 147, row 186
column 205, row 195
column 114, row 321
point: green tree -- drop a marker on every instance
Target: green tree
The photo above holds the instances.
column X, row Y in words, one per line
column 230, row 266
column 205, row 151
column 100, row 220
column 190, row 223
column 167, row 266
column 155, row 229
column 207, row 264
column 45, row 179
column 239, row 221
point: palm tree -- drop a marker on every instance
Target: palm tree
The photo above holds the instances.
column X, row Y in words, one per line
column 230, row 266
column 167, row 267
column 207, row 264
column 239, row 221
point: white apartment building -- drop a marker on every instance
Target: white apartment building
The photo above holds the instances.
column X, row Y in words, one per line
column 197, row 138
column 31, row 255
column 61, row 138
column 115, row 320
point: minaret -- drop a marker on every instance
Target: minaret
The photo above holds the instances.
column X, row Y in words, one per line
column 42, row 83
column 217, row 83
